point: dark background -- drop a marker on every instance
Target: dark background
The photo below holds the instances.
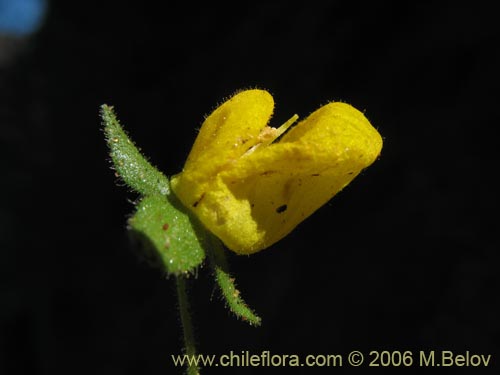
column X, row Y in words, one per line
column 405, row 258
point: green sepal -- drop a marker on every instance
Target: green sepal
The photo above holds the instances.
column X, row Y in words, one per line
column 167, row 234
column 128, row 162
column 227, row 285
column 233, row 299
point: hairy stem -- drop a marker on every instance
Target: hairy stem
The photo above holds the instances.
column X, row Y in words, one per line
column 187, row 325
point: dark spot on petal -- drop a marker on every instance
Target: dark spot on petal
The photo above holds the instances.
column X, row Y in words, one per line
column 281, row 209
column 315, row 174
column 199, row 200
column 266, row 173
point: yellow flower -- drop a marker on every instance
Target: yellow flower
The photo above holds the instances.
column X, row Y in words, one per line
column 251, row 190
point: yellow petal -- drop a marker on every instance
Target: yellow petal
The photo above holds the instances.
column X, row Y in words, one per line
column 259, row 197
column 230, row 130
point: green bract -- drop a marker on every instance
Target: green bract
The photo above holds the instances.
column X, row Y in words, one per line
column 162, row 225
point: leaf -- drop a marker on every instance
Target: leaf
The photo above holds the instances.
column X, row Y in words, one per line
column 129, row 163
column 167, row 232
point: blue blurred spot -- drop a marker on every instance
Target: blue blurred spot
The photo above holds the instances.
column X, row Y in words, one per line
column 21, row 17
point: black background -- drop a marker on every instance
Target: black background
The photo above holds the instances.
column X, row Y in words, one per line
column 405, row 258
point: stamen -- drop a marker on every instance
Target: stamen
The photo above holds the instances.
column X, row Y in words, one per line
column 268, row 135
column 283, row 128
